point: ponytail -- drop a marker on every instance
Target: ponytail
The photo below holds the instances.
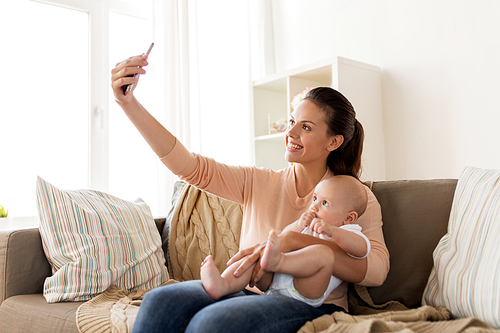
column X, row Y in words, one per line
column 347, row 160
column 341, row 120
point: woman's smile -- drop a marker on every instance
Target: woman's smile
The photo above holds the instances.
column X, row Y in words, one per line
column 291, row 146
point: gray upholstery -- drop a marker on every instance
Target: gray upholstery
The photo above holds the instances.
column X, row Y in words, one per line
column 24, row 265
column 415, row 215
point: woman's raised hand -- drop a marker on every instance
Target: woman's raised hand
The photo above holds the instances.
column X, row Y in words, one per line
column 157, row 136
column 122, row 75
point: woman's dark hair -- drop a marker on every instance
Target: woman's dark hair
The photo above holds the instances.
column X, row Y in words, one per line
column 341, row 119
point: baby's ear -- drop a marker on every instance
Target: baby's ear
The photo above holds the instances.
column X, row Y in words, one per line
column 351, row 218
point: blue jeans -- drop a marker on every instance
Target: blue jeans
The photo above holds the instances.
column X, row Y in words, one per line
column 186, row 307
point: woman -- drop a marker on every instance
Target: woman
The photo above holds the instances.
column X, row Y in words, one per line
column 323, row 138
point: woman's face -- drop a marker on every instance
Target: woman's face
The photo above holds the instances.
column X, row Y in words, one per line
column 306, row 136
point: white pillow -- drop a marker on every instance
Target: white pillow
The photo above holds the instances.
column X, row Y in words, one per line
column 92, row 240
column 466, row 273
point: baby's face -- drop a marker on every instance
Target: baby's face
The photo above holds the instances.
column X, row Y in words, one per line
column 328, row 205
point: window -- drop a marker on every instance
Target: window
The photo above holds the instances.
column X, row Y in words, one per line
column 58, row 117
column 56, row 96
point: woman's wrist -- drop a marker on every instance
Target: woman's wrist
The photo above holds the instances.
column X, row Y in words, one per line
column 126, row 102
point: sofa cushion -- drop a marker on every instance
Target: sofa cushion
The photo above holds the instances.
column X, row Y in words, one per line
column 467, row 259
column 93, row 240
column 32, row 313
column 415, row 215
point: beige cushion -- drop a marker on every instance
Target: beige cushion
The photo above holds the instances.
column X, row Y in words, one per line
column 415, row 215
column 32, row 313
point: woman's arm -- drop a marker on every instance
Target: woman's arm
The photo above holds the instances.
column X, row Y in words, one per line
column 223, row 180
column 345, row 267
column 157, row 136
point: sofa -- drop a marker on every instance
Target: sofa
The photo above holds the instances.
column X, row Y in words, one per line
column 415, row 215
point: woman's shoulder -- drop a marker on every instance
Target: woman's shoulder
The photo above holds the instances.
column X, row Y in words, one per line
column 372, row 217
column 372, row 199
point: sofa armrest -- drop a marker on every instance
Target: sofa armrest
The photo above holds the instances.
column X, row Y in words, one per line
column 23, row 265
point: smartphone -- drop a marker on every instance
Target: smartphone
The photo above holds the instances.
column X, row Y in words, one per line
column 129, row 87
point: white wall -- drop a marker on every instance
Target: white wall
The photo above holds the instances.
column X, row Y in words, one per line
column 441, row 72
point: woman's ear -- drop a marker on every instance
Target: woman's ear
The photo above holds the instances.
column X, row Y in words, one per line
column 336, row 141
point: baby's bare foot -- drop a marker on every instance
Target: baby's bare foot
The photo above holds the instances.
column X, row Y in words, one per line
column 211, row 279
column 272, row 253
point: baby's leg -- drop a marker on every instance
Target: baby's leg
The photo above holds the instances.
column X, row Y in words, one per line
column 317, row 268
column 310, row 266
column 217, row 285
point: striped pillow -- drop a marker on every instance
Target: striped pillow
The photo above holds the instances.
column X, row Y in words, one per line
column 92, row 240
column 465, row 277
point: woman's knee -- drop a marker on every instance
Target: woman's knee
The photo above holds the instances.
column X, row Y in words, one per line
column 223, row 316
column 166, row 309
column 170, row 293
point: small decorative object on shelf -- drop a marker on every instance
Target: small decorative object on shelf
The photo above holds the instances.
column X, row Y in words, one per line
column 279, row 126
column 299, row 97
column 3, row 212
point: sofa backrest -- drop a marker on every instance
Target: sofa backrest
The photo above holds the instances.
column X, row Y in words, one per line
column 24, row 266
column 415, row 215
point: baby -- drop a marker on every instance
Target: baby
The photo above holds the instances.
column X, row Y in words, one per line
column 305, row 274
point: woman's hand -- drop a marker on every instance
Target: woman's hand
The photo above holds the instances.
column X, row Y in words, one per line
column 249, row 257
column 122, row 75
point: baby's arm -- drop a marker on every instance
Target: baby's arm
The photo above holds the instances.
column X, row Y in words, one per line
column 296, row 226
column 349, row 241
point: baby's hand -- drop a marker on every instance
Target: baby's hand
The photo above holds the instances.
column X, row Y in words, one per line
column 306, row 219
column 321, row 227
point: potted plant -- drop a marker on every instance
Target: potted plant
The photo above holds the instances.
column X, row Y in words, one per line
column 3, row 212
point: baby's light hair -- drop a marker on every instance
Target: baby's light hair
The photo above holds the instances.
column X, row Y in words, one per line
column 354, row 191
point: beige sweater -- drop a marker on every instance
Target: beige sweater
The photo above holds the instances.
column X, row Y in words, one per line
column 270, row 201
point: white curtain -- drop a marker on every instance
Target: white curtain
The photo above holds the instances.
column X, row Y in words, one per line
column 204, row 54
column 178, row 82
column 261, row 38
column 176, row 43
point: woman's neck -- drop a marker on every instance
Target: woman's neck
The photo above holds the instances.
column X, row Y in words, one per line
column 307, row 177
